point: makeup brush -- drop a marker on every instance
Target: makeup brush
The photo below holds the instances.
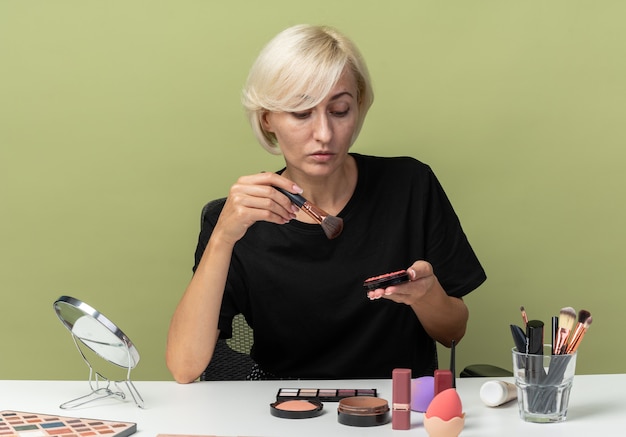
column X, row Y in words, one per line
column 579, row 333
column 444, row 378
column 560, row 363
column 524, row 315
column 331, row 225
column 555, row 332
column 583, row 315
column 453, row 363
column 567, row 319
column 519, row 339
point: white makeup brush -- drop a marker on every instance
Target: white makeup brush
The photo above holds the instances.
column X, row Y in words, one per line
column 567, row 320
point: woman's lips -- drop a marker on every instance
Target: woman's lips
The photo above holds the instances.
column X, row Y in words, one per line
column 322, row 156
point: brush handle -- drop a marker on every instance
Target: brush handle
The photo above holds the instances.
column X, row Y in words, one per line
column 555, row 333
column 295, row 198
column 519, row 339
column 576, row 339
column 561, row 341
column 316, row 213
column 453, row 362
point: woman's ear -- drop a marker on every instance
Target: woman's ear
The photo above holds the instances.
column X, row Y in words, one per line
column 265, row 123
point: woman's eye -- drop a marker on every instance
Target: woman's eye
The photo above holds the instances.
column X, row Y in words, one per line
column 341, row 113
column 301, row 115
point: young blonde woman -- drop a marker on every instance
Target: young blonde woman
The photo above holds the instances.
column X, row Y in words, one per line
column 307, row 96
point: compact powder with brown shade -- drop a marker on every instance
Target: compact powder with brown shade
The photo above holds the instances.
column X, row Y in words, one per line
column 363, row 411
column 296, row 409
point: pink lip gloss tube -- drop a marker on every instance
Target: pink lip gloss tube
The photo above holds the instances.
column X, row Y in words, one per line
column 401, row 409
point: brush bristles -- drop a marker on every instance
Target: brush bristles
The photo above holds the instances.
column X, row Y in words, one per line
column 524, row 315
column 567, row 318
column 578, row 335
column 332, row 226
column 583, row 315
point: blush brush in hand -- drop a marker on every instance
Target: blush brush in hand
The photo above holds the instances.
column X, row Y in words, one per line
column 331, row 225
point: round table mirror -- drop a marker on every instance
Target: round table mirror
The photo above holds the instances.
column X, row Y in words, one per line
column 92, row 329
column 96, row 332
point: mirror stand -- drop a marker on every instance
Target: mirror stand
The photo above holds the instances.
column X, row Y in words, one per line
column 101, row 387
column 91, row 330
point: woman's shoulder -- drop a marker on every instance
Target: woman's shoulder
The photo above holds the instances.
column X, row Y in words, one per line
column 391, row 164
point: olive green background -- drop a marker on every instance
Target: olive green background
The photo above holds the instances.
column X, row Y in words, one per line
column 120, row 119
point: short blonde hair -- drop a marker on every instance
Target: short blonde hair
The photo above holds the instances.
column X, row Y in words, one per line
column 296, row 70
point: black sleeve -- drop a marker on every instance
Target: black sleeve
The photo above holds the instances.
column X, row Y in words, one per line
column 448, row 250
column 208, row 219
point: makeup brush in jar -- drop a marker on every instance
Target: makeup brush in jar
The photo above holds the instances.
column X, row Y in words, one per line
column 584, row 321
column 331, row 225
column 567, row 320
column 524, row 315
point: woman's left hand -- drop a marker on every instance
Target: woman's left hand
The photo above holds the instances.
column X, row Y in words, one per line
column 443, row 317
column 421, row 281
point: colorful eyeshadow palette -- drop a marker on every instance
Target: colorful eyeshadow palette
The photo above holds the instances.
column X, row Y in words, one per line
column 20, row 424
column 323, row 394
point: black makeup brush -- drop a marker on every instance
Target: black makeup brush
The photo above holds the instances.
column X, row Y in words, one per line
column 453, row 363
column 331, row 225
column 567, row 319
column 443, row 378
column 554, row 335
column 519, row 339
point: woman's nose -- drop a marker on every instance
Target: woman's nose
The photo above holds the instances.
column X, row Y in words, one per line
column 322, row 130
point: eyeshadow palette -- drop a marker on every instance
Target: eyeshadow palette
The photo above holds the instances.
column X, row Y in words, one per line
column 21, row 424
column 386, row 280
column 323, row 394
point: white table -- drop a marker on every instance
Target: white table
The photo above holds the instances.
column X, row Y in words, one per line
column 597, row 407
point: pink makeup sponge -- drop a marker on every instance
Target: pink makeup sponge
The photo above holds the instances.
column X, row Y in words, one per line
column 444, row 416
column 422, row 393
column 446, row 405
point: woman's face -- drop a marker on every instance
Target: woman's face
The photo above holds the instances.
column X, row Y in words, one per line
column 316, row 141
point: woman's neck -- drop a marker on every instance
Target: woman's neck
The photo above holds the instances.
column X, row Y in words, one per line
column 331, row 192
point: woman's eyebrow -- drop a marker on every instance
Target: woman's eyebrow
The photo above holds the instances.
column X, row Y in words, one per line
column 343, row 93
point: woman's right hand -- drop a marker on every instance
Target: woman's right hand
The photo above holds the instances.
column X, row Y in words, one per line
column 253, row 198
column 193, row 329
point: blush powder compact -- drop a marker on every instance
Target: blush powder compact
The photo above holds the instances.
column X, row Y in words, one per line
column 363, row 411
column 296, row 409
column 386, row 280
